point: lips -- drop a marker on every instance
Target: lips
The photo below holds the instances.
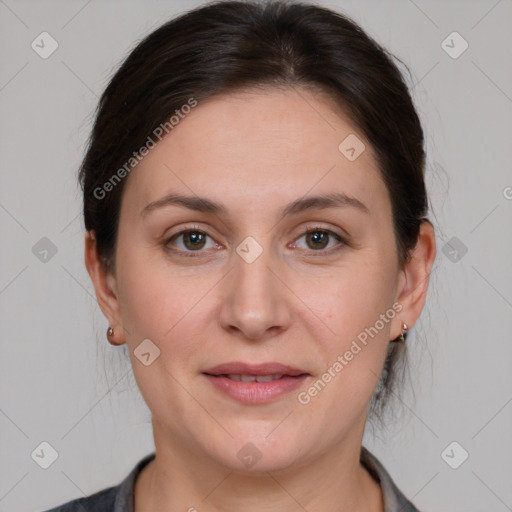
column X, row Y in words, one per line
column 253, row 378
column 254, row 369
column 255, row 384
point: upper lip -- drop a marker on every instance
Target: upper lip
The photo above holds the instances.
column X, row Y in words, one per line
column 240, row 368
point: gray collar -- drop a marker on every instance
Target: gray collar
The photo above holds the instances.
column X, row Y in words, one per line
column 394, row 500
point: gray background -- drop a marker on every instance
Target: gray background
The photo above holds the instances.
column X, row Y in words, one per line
column 60, row 385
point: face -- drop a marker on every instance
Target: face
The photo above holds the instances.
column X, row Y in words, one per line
column 280, row 261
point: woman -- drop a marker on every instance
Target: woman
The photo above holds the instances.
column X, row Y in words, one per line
column 255, row 210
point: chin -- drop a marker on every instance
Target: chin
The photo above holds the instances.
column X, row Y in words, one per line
column 261, row 453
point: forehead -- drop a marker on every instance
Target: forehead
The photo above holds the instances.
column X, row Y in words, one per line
column 259, row 147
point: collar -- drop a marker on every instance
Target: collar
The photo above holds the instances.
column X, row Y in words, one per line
column 394, row 500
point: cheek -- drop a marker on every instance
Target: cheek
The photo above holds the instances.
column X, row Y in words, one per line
column 152, row 297
column 356, row 305
column 353, row 298
column 171, row 306
column 354, row 352
column 170, row 309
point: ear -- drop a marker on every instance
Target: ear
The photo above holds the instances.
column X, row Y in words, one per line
column 106, row 290
column 414, row 278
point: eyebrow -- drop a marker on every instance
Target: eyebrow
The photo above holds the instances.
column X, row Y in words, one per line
column 202, row 204
column 332, row 200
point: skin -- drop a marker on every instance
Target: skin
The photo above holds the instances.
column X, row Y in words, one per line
column 296, row 304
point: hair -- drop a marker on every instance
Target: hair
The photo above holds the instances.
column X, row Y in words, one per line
column 231, row 46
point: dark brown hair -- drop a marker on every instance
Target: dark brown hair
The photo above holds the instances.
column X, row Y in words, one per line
column 229, row 46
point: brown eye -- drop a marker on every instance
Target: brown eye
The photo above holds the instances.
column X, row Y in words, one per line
column 318, row 239
column 194, row 240
column 190, row 240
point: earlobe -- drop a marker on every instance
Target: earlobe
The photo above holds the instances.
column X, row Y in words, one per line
column 105, row 287
column 415, row 276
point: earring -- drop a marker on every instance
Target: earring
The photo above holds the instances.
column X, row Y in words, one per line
column 403, row 334
column 111, row 340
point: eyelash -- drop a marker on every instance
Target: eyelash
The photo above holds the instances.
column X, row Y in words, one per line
column 309, row 229
column 341, row 241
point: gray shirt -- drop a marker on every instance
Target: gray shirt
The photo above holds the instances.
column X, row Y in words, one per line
column 120, row 498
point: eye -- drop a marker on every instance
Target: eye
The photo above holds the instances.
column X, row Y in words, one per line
column 320, row 239
column 191, row 240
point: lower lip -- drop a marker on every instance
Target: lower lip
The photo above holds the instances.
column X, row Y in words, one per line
column 256, row 392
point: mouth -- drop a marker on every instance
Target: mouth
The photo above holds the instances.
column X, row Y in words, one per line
column 252, row 378
column 255, row 384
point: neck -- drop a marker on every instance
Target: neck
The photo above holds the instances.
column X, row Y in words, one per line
column 178, row 480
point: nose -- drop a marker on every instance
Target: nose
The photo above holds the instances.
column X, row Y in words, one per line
column 255, row 302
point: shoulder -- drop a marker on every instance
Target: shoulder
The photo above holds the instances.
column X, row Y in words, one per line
column 394, row 499
column 102, row 501
column 118, row 498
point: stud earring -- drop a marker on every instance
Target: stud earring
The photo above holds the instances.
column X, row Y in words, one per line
column 402, row 337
